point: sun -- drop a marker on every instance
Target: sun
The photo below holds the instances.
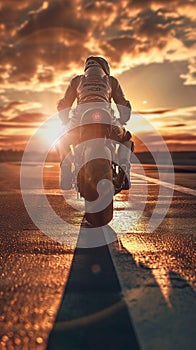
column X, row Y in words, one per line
column 50, row 132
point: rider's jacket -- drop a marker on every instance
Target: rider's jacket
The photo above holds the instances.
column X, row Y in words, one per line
column 96, row 86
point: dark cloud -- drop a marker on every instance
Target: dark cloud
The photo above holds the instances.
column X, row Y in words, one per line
column 9, row 106
column 154, row 111
column 13, row 141
column 14, row 112
column 179, row 125
column 151, row 29
column 186, row 137
column 8, row 126
column 29, row 118
column 43, row 43
column 58, row 14
column 58, row 33
column 160, row 3
column 54, row 36
column 124, row 44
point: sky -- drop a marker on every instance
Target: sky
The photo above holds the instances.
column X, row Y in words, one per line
column 150, row 45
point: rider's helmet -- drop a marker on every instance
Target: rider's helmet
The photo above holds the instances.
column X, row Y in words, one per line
column 94, row 60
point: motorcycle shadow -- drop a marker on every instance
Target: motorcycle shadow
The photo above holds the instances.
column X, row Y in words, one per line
column 93, row 313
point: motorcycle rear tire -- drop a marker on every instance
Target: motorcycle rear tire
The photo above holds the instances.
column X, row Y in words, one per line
column 98, row 169
column 101, row 218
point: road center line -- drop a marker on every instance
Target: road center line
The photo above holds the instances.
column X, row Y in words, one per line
column 178, row 188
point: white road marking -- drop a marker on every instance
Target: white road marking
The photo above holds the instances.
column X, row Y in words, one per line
column 58, row 192
column 178, row 188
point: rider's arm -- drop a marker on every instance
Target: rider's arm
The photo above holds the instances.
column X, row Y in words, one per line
column 123, row 105
column 66, row 102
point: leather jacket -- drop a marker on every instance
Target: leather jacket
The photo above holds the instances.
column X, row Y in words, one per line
column 96, row 86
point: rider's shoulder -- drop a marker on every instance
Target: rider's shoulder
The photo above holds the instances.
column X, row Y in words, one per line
column 113, row 80
column 76, row 80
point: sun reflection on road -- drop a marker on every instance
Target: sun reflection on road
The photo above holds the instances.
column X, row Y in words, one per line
column 151, row 255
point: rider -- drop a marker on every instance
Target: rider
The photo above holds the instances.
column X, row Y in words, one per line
column 95, row 85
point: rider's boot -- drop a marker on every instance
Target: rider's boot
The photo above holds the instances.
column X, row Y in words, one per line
column 124, row 155
column 66, row 173
column 126, row 170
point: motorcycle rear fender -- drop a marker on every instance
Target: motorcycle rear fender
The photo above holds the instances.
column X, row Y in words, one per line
column 99, row 150
column 95, row 123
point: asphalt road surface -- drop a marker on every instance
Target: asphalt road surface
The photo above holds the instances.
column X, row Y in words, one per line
column 135, row 292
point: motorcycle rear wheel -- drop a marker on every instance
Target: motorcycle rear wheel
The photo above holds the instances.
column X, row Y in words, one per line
column 92, row 173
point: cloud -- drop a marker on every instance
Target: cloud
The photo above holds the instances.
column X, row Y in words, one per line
column 181, row 137
column 182, row 118
column 44, row 40
column 190, row 75
column 10, row 110
column 180, row 125
column 23, row 123
column 177, row 128
column 16, row 142
column 154, row 111
column 44, row 43
column 159, row 85
column 48, row 40
column 180, row 142
column 28, row 118
column 15, row 132
column 58, row 14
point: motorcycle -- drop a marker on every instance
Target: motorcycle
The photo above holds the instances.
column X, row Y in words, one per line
column 95, row 166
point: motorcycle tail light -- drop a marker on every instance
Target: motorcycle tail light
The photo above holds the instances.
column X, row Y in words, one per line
column 97, row 117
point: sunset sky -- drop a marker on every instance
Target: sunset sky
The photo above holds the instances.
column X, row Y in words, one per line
column 150, row 44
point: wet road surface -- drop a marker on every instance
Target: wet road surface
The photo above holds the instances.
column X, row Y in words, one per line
column 139, row 291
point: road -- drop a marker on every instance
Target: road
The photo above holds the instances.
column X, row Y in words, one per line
column 137, row 292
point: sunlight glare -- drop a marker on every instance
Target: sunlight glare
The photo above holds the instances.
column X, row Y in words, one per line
column 138, row 248
column 51, row 132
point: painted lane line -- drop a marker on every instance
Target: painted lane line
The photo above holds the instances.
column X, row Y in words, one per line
column 178, row 188
column 58, row 192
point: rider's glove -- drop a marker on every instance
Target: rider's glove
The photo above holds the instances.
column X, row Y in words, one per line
column 63, row 112
column 123, row 121
column 64, row 116
column 125, row 114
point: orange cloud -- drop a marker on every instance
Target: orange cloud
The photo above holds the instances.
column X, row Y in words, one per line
column 56, row 36
column 43, row 44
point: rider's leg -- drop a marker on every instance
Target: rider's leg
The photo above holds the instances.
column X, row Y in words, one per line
column 66, row 159
column 124, row 154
